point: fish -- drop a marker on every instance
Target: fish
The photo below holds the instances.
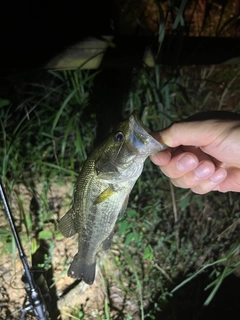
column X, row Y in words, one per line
column 101, row 192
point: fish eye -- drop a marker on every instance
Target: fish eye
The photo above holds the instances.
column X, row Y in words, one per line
column 119, row 137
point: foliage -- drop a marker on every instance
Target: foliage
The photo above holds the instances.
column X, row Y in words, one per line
column 168, row 236
column 191, row 18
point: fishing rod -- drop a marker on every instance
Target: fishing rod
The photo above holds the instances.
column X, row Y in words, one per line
column 35, row 300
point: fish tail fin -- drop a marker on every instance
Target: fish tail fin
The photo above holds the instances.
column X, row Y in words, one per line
column 81, row 270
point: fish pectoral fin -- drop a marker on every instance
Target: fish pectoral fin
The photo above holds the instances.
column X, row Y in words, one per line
column 67, row 224
column 107, row 193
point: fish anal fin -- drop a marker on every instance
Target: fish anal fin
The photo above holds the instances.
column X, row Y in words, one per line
column 67, row 224
column 106, row 194
column 79, row 269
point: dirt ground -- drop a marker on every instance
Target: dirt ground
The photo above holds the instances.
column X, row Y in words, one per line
column 108, row 297
column 71, row 299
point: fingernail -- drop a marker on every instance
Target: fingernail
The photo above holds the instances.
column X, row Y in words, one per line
column 219, row 175
column 187, row 163
column 202, row 171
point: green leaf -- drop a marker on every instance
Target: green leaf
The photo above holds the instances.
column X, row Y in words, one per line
column 148, row 253
column 124, row 225
column 129, row 238
column 4, row 102
column 45, row 235
column 131, row 213
column 132, row 235
column 59, row 236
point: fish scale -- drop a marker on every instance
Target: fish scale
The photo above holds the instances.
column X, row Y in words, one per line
column 102, row 190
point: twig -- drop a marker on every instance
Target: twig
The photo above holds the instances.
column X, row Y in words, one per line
column 163, row 272
column 175, row 214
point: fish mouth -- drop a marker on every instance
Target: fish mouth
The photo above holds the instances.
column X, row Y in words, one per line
column 141, row 139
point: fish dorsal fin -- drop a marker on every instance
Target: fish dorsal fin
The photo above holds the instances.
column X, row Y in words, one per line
column 67, row 224
column 107, row 193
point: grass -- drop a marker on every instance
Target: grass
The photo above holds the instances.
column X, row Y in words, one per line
column 40, row 119
column 168, row 236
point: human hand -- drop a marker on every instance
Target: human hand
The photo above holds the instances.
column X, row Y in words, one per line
column 203, row 155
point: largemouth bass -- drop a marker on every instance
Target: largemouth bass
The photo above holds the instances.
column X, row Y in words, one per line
column 102, row 190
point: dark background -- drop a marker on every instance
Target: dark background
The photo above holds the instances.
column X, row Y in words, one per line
column 31, row 32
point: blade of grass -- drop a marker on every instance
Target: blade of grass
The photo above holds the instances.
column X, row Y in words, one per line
column 179, row 18
column 197, row 273
column 59, row 113
column 59, row 168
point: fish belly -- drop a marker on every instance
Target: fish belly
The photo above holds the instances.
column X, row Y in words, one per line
column 96, row 234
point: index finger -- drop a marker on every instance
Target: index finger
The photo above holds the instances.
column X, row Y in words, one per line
column 197, row 133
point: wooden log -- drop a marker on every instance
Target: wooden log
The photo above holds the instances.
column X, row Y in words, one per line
column 127, row 52
column 107, row 52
